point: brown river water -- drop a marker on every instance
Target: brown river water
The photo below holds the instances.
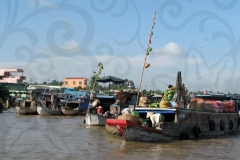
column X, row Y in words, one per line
column 67, row 137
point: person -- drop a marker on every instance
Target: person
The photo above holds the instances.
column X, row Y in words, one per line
column 99, row 110
column 7, row 103
column 143, row 100
column 96, row 102
column 52, row 104
column 170, row 86
column 55, row 102
column 43, row 102
column 205, row 93
column 1, row 105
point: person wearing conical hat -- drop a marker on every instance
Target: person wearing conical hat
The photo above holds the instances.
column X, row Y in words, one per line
column 99, row 110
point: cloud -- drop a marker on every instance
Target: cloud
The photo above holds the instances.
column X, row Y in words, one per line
column 71, row 46
column 170, row 49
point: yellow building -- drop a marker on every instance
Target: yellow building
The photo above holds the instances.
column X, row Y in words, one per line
column 71, row 82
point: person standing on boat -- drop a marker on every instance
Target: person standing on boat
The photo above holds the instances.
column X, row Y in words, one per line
column 143, row 100
column 205, row 93
column 52, row 104
column 55, row 101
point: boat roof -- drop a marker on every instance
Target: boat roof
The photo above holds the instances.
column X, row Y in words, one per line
column 101, row 96
column 155, row 110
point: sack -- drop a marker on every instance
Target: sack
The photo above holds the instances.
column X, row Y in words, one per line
column 132, row 118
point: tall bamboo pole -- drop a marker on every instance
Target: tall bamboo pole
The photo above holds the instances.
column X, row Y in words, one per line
column 149, row 49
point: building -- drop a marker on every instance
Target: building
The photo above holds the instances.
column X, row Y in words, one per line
column 12, row 83
column 72, row 82
column 12, row 75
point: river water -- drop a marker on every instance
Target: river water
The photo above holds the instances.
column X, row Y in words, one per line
column 67, row 137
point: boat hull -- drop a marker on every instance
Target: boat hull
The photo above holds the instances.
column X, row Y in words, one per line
column 135, row 132
column 48, row 111
column 187, row 124
column 201, row 124
column 26, row 111
column 95, row 120
column 71, row 112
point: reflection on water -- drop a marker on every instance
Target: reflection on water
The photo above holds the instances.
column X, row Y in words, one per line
column 66, row 137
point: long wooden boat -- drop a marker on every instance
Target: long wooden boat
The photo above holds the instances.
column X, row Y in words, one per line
column 186, row 123
column 27, row 107
column 43, row 110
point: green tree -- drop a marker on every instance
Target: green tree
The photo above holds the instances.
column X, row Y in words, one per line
column 78, row 88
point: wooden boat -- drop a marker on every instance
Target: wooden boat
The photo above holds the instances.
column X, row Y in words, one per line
column 71, row 109
column 27, row 107
column 185, row 123
column 212, row 116
column 92, row 118
column 47, row 111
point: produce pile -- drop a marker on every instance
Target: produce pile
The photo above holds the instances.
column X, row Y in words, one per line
column 154, row 105
column 167, row 97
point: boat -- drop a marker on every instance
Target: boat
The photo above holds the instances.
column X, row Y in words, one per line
column 202, row 119
column 28, row 107
column 94, row 119
column 45, row 107
column 207, row 115
column 47, row 111
column 71, row 108
column 118, row 108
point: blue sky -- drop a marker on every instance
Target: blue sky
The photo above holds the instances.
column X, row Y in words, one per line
column 57, row 39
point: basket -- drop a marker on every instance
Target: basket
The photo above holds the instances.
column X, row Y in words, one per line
column 132, row 118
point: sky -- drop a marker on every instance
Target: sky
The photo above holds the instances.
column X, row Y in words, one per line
column 53, row 39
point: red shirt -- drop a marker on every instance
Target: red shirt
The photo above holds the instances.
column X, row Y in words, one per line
column 99, row 110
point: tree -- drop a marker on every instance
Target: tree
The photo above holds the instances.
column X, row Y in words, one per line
column 95, row 78
column 78, row 88
column 53, row 83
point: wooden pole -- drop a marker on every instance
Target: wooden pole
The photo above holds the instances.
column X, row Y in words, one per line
column 149, row 49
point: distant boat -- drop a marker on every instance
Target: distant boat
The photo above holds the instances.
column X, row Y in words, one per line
column 27, row 107
column 71, row 108
column 45, row 109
